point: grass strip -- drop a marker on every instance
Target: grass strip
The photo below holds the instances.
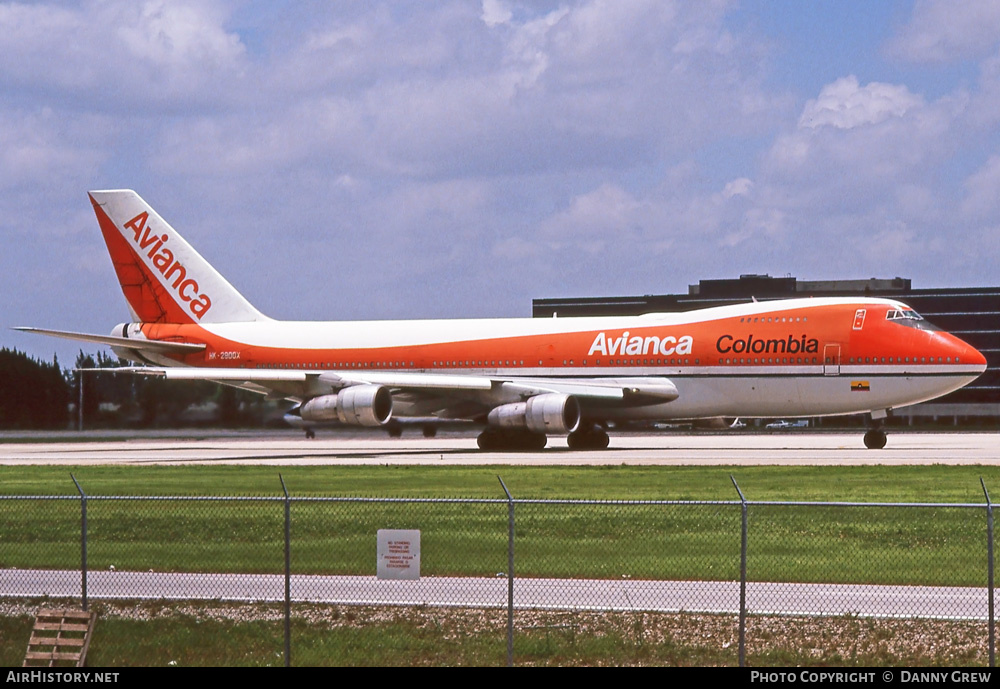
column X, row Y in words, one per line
column 872, row 544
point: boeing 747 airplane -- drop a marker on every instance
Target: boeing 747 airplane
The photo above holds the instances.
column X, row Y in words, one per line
column 522, row 379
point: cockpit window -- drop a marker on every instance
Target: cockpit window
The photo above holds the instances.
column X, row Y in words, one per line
column 909, row 317
column 900, row 314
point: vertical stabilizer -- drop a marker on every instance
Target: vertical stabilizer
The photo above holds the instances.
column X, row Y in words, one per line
column 163, row 278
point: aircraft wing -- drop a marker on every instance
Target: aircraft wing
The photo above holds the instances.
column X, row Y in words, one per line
column 426, row 389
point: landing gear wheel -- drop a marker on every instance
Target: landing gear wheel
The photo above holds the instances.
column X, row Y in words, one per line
column 594, row 438
column 486, row 440
column 875, row 439
column 535, row 441
column 493, row 439
column 430, row 431
column 310, row 434
column 394, row 429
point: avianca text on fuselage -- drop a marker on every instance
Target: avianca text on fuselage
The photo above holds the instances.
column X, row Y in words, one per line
column 772, row 345
column 163, row 260
column 624, row 345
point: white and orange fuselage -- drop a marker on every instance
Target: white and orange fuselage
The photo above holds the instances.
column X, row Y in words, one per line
column 802, row 357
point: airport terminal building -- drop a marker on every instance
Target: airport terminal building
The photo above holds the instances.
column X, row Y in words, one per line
column 971, row 313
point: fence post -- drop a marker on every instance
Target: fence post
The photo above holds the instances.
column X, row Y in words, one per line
column 83, row 541
column 743, row 575
column 510, row 574
column 288, row 575
column 79, row 404
column 989, row 570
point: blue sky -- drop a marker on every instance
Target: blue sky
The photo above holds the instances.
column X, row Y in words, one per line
column 369, row 160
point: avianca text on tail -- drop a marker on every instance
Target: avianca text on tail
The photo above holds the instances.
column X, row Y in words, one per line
column 521, row 380
column 162, row 259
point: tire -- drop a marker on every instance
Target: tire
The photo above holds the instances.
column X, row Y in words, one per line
column 875, row 439
column 591, row 439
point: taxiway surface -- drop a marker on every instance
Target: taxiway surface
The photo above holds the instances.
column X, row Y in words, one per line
column 668, row 449
column 769, row 598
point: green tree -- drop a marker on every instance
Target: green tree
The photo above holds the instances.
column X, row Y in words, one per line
column 33, row 394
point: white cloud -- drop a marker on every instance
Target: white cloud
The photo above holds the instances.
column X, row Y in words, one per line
column 496, row 12
column 675, row 222
column 580, row 89
column 853, row 142
column 118, row 55
column 38, row 149
column 608, row 214
column 845, row 104
column 981, row 199
column 737, row 187
column 172, row 35
column 945, row 30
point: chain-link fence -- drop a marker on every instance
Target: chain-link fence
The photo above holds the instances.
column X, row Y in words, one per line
column 500, row 581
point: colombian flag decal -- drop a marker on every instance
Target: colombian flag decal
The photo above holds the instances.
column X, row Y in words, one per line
column 860, row 386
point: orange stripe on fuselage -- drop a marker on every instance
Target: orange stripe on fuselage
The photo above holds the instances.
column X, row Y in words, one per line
column 793, row 337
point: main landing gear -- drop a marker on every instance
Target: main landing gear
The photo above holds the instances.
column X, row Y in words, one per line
column 589, row 438
column 523, row 440
column 510, row 439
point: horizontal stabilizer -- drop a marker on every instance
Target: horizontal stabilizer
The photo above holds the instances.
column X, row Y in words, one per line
column 127, row 342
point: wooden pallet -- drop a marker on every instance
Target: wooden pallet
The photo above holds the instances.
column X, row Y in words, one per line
column 60, row 638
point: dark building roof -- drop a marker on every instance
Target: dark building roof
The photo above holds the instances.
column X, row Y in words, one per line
column 971, row 313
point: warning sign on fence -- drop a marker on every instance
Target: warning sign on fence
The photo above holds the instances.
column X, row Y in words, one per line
column 398, row 554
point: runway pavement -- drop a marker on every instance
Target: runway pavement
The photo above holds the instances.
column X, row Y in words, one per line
column 667, row 449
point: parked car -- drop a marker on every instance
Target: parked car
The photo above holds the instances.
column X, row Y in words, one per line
column 782, row 424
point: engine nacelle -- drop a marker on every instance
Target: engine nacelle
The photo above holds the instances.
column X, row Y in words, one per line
column 358, row 405
column 550, row 413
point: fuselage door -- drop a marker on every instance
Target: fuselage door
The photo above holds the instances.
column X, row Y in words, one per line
column 831, row 359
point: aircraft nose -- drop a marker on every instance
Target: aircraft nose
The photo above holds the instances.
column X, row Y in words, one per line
column 967, row 354
column 977, row 357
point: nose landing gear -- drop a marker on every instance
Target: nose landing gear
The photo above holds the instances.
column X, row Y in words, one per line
column 875, row 439
column 875, row 436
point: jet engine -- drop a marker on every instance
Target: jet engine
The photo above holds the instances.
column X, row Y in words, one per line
column 358, row 405
column 549, row 413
